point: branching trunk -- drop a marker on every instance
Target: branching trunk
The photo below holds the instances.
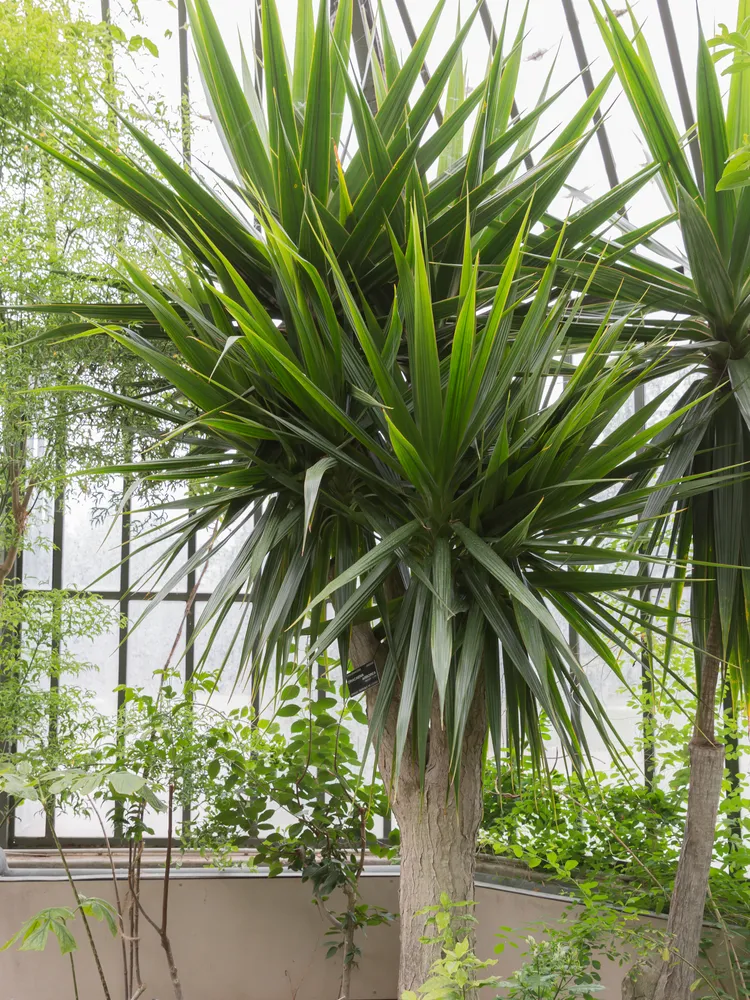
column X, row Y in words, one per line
column 21, row 495
column 438, row 833
column 672, row 980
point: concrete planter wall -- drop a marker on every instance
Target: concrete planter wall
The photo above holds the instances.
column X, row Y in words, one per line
column 239, row 936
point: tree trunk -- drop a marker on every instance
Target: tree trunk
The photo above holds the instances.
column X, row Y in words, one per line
column 688, row 900
column 438, row 833
column 438, row 838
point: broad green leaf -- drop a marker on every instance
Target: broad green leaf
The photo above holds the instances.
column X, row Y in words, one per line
column 441, row 628
column 126, row 783
column 317, row 149
column 455, row 97
column 304, row 37
column 720, row 205
column 313, row 479
column 712, row 281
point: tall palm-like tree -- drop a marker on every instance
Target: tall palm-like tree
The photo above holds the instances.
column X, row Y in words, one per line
column 372, row 389
column 710, row 340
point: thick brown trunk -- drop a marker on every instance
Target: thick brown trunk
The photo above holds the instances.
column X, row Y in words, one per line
column 438, row 839
column 438, row 833
column 672, row 980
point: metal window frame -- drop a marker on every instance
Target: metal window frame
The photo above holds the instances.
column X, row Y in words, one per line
column 122, row 597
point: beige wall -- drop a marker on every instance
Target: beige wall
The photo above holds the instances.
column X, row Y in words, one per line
column 243, row 938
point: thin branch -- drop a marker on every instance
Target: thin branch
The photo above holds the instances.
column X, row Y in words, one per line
column 326, row 913
column 84, row 918
column 73, row 973
column 168, row 863
column 117, row 894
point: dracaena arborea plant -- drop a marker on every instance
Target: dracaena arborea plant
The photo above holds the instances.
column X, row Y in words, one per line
column 375, row 401
column 707, row 292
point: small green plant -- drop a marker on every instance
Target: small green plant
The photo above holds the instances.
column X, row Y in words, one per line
column 75, row 786
column 620, row 832
column 316, row 775
column 589, row 929
column 554, row 971
column 34, row 933
column 565, row 965
column 457, row 973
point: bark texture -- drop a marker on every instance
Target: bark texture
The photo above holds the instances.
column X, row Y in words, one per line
column 672, row 980
column 438, row 831
column 641, row 985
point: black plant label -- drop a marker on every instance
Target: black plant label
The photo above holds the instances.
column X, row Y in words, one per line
column 362, row 678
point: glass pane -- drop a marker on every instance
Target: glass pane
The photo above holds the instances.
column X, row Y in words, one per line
column 222, row 558
column 30, row 820
column 146, row 549
column 37, row 558
column 100, row 659
column 678, row 385
column 154, row 642
column 223, row 654
column 90, row 548
column 83, row 822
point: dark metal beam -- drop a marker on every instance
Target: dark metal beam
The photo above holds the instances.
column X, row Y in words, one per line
column 412, row 36
column 56, row 582
column 678, row 71
column 489, row 27
column 489, row 30
column 583, row 64
column 363, row 32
